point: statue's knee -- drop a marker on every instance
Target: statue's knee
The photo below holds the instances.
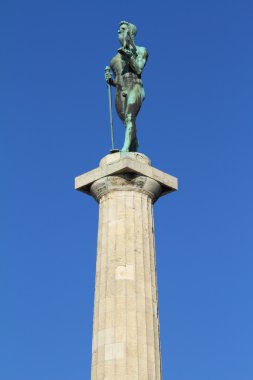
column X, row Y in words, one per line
column 129, row 118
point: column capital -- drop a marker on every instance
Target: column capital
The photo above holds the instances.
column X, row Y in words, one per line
column 126, row 182
column 126, row 171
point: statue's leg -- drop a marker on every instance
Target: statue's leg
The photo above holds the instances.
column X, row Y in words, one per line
column 130, row 134
column 134, row 101
column 120, row 104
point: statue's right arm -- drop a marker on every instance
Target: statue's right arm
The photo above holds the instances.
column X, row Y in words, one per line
column 109, row 79
column 111, row 82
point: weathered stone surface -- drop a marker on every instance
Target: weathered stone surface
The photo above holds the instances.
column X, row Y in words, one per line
column 126, row 163
column 126, row 342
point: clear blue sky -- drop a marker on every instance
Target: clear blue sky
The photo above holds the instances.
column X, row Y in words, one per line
column 196, row 123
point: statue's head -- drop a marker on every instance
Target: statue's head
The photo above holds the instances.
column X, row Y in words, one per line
column 126, row 29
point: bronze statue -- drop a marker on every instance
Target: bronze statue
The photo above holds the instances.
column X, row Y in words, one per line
column 127, row 66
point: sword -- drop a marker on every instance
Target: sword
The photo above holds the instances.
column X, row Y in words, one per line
column 107, row 70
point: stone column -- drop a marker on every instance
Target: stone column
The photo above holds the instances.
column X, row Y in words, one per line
column 126, row 343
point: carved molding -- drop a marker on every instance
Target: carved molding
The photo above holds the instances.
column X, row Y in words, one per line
column 126, row 182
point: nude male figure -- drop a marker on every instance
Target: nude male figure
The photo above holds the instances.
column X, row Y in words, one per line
column 127, row 67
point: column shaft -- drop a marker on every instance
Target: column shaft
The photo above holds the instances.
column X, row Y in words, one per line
column 126, row 328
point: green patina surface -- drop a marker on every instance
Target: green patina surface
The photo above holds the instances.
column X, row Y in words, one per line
column 127, row 66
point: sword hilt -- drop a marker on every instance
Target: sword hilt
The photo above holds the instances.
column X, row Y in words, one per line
column 107, row 70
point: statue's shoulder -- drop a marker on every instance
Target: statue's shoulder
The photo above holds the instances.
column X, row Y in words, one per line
column 142, row 51
column 115, row 59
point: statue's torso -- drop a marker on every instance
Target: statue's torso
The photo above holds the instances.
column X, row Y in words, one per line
column 124, row 75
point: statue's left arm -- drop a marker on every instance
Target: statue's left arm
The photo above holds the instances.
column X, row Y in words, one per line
column 138, row 61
